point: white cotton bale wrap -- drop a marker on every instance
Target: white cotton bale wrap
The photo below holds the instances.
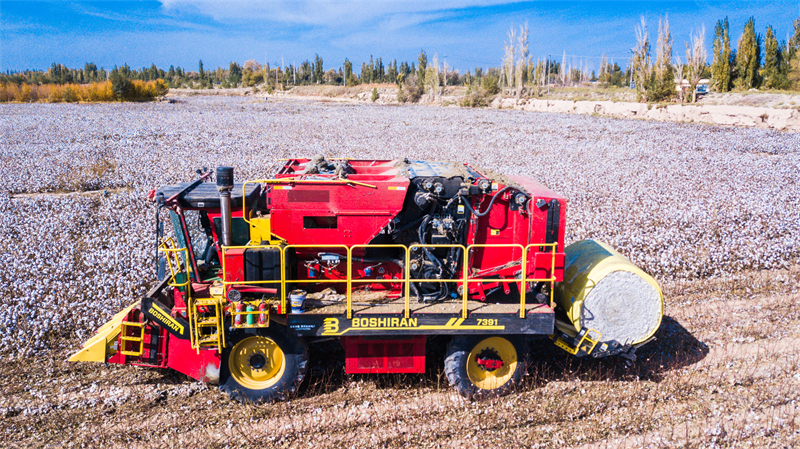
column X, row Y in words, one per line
column 603, row 290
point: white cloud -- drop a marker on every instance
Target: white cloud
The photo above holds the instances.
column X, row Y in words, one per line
column 327, row 13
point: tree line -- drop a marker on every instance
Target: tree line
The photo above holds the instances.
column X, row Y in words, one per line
column 759, row 61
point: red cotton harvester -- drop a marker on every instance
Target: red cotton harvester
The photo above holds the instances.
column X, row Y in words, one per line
column 381, row 255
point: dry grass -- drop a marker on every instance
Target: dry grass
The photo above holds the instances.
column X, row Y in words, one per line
column 730, row 383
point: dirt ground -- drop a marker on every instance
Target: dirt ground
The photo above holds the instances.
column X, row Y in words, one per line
column 723, row 372
column 452, row 95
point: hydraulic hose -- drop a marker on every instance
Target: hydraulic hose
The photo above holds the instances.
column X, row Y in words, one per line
column 491, row 203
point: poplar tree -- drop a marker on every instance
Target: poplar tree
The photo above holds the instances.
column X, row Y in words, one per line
column 318, row 71
column 793, row 57
column 773, row 62
column 696, row 59
column 663, row 81
column 721, row 66
column 748, row 56
column 522, row 55
column 509, row 57
column 640, row 61
column 348, row 70
column 423, row 65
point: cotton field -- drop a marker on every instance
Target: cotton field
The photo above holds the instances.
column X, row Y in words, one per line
column 682, row 201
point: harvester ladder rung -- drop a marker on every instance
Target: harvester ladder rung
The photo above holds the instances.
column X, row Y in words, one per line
column 212, row 321
column 124, row 338
column 585, row 345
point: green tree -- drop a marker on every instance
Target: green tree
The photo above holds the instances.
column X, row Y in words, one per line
column 490, row 84
column 793, row 48
column 348, row 70
column 793, row 57
column 234, row 73
column 423, row 65
column 662, row 83
column 773, row 73
column 200, row 70
column 721, row 66
column 748, row 56
column 318, row 70
column 120, row 85
column 373, row 75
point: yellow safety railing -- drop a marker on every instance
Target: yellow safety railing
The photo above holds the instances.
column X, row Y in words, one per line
column 227, row 283
column 351, row 281
column 173, row 261
column 465, row 293
column 464, row 280
column 319, row 281
column 552, row 278
column 171, row 252
column 468, row 279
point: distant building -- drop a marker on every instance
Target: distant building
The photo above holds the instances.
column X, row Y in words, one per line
column 685, row 87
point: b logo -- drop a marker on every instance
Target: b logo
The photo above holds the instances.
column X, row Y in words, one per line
column 330, row 326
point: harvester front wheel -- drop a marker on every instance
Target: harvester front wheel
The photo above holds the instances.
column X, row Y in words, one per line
column 262, row 367
column 485, row 366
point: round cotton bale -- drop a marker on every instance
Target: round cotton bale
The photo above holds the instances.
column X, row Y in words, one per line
column 604, row 291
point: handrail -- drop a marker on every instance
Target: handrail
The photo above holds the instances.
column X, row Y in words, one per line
column 552, row 278
column 464, row 294
column 168, row 246
column 349, row 275
column 226, row 283
column 523, row 285
column 465, row 279
column 320, row 281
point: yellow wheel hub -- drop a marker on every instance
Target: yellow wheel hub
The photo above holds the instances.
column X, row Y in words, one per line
column 496, row 348
column 256, row 363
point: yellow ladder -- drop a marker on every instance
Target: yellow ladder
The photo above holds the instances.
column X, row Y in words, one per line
column 585, row 345
column 206, row 329
column 125, row 337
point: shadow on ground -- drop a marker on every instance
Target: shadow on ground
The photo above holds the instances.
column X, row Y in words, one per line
column 673, row 348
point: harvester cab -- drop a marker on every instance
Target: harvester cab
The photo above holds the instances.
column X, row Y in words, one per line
column 381, row 255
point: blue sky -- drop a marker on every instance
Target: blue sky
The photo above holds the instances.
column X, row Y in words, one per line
column 469, row 32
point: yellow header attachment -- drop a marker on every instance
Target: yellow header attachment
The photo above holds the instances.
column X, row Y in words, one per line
column 102, row 346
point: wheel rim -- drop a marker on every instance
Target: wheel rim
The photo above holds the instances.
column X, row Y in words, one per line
column 257, row 363
column 490, row 379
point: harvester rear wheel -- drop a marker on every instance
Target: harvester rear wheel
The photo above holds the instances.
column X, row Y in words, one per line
column 262, row 366
column 485, row 366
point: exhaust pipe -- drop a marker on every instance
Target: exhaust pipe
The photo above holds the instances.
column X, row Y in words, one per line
column 224, row 186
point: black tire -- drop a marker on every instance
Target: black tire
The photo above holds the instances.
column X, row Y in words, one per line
column 262, row 365
column 474, row 381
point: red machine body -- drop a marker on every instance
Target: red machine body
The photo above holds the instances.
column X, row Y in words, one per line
column 411, row 229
